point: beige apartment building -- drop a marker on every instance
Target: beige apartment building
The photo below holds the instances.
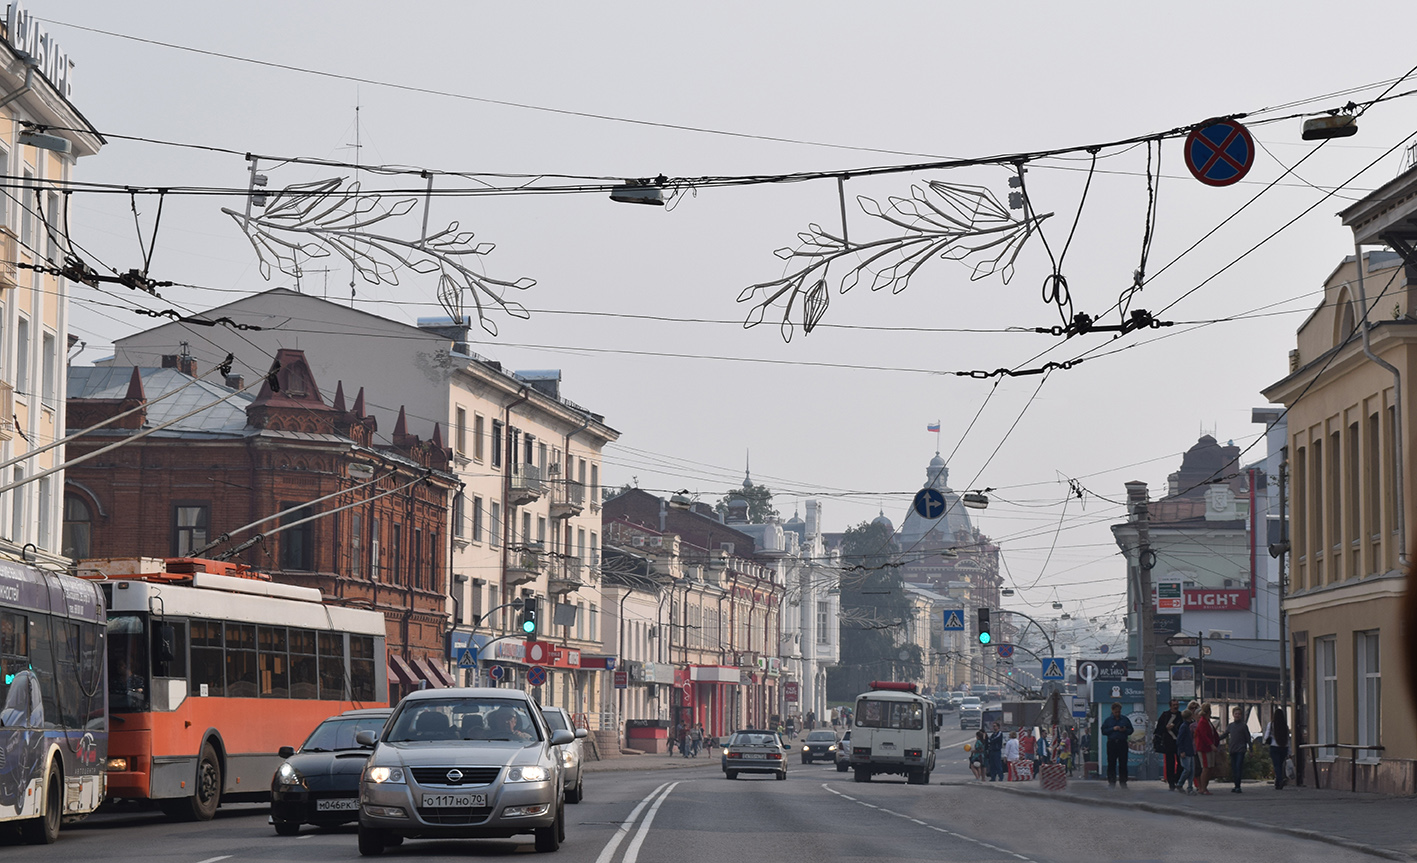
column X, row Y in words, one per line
column 1349, row 442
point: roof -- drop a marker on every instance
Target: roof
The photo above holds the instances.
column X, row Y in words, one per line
column 228, row 418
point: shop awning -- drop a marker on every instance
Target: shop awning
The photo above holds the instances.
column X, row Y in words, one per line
column 400, row 670
column 434, row 673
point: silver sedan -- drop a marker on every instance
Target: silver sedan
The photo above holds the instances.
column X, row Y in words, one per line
column 572, row 754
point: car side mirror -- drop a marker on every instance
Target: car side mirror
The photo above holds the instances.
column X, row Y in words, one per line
column 285, row 751
column 366, row 738
column 582, row 734
column 939, row 722
column 560, row 737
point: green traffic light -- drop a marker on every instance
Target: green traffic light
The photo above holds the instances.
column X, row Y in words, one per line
column 528, row 626
column 985, row 638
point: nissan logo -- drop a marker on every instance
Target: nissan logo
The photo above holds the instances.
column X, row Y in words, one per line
column 454, row 776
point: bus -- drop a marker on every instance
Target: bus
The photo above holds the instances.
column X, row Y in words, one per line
column 894, row 730
column 53, row 726
column 212, row 668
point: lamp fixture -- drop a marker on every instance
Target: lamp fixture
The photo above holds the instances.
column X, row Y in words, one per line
column 1333, row 126
column 975, row 500
column 44, row 141
column 1008, row 591
column 640, row 192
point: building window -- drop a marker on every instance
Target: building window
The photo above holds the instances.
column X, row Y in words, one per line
column 526, row 528
column 823, row 630
column 580, row 621
column 580, row 543
column 459, row 507
column 594, row 624
column 496, row 443
column 433, row 560
column 541, row 455
column 45, row 520
column 1370, row 692
column 529, row 454
column 477, row 432
column 541, row 530
column 417, row 557
column 476, row 519
column 77, row 527
column 595, row 485
column 396, row 553
column 22, row 357
column 52, row 225
column 494, row 526
column 594, row 550
column 189, row 527
column 27, row 212
column 1325, row 694
column 462, row 431
column 356, row 545
column 46, row 370
column 297, row 544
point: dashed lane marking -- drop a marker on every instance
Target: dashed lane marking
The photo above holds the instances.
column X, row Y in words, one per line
column 215, row 859
column 978, row 842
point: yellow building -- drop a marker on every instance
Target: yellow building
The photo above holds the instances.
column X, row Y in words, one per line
column 42, row 135
column 1348, row 489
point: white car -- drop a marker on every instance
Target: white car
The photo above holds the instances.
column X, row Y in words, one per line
column 572, row 754
column 843, row 752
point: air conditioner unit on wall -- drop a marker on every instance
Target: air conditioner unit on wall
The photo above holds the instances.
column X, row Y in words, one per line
column 1219, row 633
column 638, row 541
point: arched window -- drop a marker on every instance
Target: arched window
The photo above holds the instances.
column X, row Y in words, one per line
column 77, row 527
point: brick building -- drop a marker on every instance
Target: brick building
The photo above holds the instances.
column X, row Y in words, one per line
column 240, row 460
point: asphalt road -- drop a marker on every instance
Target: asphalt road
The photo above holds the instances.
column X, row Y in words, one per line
column 695, row 815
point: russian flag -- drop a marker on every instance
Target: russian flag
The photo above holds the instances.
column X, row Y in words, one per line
column 933, row 427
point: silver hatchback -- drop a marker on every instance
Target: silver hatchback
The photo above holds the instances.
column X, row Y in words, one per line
column 463, row 763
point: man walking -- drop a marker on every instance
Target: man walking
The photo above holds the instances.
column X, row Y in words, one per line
column 1115, row 731
column 1168, row 727
column 1238, row 735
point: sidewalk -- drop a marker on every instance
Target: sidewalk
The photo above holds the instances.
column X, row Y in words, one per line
column 651, row 762
column 1375, row 824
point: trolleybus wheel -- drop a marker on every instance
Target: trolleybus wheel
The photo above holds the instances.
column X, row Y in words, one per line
column 45, row 829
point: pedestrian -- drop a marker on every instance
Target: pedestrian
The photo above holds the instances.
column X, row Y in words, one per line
column 1164, row 741
column 976, row 755
column 1027, row 747
column 1186, row 749
column 1011, row 754
column 1276, row 734
column 994, row 753
column 1072, row 749
column 1237, row 733
column 811, row 720
column 696, row 737
column 1116, row 729
column 1206, row 741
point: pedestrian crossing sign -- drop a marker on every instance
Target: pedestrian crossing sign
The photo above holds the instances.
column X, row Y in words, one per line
column 467, row 657
column 954, row 620
column 1052, row 668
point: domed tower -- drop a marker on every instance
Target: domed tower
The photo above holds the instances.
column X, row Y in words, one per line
column 883, row 521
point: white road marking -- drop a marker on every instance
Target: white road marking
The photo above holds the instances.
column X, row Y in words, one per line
column 632, row 853
column 306, row 836
column 978, row 842
column 215, row 859
column 620, row 832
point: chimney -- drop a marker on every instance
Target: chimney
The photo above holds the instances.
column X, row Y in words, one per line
column 169, row 361
column 187, row 365
column 235, row 382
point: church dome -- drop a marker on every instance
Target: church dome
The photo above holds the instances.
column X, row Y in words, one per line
column 882, row 520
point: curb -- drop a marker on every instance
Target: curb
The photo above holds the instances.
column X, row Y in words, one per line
column 1297, row 832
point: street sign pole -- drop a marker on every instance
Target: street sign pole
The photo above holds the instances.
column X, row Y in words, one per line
column 1146, row 558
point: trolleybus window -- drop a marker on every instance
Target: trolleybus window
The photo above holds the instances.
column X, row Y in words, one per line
column 361, row 667
column 14, row 648
column 127, row 664
column 207, row 660
column 332, row 666
column 890, row 714
column 304, row 675
column 240, row 660
column 275, row 667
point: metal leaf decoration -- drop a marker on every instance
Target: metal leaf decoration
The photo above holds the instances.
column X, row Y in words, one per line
column 959, row 223
column 315, row 220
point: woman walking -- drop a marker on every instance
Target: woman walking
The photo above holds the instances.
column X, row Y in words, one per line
column 1186, row 751
column 1277, row 736
column 1206, row 740
column 976, row 755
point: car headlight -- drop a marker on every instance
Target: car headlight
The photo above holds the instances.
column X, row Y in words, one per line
column 568, row 758
column 831, row 748
column 532, row 773
column 385, row 775
column 288, row 775
column 806, row 748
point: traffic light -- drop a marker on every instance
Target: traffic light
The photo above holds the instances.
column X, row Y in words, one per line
column 529, row 615
column 984, row 636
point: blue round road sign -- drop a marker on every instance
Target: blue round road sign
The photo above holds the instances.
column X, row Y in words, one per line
column 929, row 503
column 495, row 672
column 1221, row 153
column 536, row 675
column 1006, row 650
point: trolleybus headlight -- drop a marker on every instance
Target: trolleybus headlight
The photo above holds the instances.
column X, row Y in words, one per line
column 117, row 765
column 385, row 775
column 531, row 773
column 288, row 775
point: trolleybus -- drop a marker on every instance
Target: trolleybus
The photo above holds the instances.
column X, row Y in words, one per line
column 53, row 731
column 213, row 668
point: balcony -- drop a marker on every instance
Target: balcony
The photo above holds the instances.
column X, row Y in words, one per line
column 566, row 577
column 526, row 484
column 567, row 498
column 523, row 565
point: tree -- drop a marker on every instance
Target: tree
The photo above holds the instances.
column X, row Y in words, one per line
column 759, row 499
column 874, row 613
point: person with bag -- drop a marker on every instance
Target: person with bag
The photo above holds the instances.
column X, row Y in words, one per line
column 1276, row 736
column 1206, row 741
column 1163, row 740
column 976, row 755
column 1238, row 735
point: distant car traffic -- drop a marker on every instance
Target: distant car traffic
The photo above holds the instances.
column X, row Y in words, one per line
column 971, row 712
column 819, row 744
column 755, row 751
column 572, row 754
column 843, row 752
column 463, row 764
column 319, row 782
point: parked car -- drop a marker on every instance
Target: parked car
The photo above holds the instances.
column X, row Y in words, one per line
column 819, row 744
column 319, row 782
column 461, row 764
column 843, row 752
column 755, row 751
column 572, row 754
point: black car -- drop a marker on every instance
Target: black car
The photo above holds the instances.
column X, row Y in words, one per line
column 319, row 784
column 819, row 745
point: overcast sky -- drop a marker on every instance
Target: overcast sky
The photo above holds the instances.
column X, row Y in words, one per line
column 839, row 414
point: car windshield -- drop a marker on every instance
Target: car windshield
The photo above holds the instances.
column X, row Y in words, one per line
column 435, row 719
column 337, row 733
column 556, row 720
column 890, row 714
column 822, row 735
column 742, row 739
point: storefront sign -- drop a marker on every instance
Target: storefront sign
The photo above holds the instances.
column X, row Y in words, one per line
column 789, row 691
column 1168, row 596
column 26, row 36
column 1213, row 599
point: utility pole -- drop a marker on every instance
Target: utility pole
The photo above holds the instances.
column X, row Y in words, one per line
column 1146, row 559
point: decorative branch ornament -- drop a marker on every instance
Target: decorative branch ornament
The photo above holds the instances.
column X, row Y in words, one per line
column 954, row 222
column 314, row 220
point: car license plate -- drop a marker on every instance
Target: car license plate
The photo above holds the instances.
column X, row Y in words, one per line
column 443, row 801
column 343, row 804
column 758, row 755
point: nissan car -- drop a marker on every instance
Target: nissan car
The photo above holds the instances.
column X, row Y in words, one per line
column 463, row 764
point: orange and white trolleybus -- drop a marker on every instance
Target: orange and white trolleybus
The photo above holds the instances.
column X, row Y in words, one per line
column 212, row 668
